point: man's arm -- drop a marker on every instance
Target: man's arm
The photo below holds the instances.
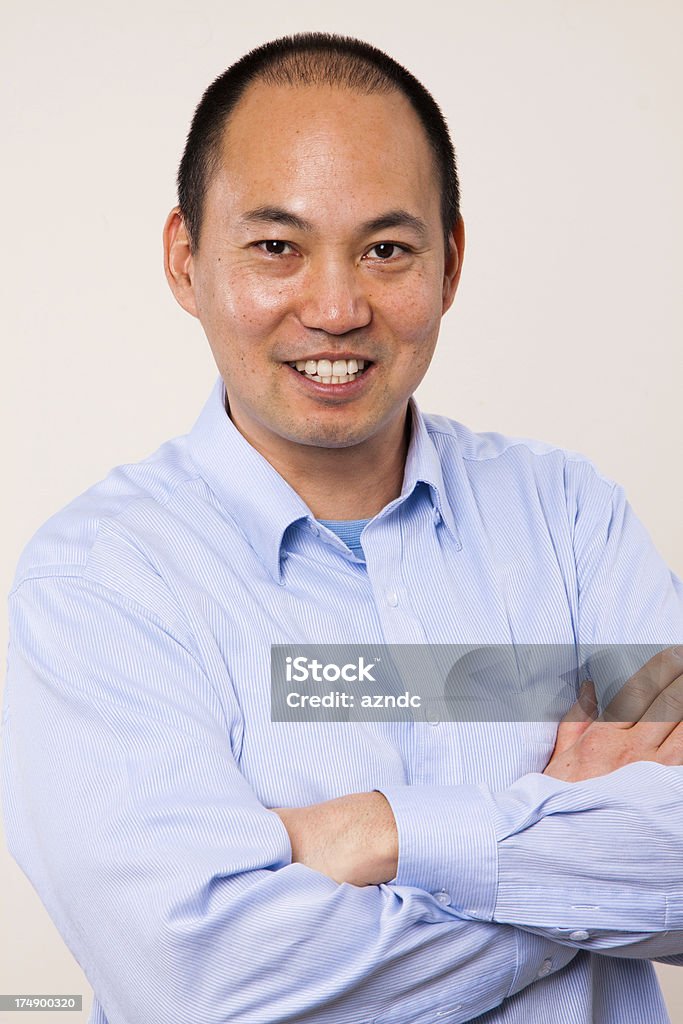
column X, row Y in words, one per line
column 170, row 882
column 620, row 835
column 566, row 883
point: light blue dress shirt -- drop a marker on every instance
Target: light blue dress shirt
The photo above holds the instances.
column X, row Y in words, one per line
column 139, row 758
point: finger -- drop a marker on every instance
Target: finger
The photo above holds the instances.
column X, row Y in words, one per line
column 663, row 715
column 643, row 688
column 577, row 719
column 671, row 751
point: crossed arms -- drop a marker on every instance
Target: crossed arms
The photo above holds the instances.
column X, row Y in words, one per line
column 354, row 838
column 178, row 891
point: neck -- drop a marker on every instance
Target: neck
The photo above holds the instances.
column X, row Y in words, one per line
column 344, row 483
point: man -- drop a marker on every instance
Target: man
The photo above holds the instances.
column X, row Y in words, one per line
column 205, row 863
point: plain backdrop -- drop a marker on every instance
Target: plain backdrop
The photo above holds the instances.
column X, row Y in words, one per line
column 567, row 325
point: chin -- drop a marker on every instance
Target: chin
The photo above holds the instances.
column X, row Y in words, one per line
column 330, row 439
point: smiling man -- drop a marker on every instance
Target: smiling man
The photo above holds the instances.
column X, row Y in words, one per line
column 320, row 274
column 206, row 863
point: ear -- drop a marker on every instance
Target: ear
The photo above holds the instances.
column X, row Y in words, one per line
column 178, row 261
column 453, row 266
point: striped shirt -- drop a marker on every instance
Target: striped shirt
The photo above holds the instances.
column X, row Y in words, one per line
column 139, row 755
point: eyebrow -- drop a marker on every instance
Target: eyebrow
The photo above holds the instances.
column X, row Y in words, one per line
column 390, row 219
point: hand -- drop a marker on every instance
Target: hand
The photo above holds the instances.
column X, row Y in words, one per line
column 351, row 839
column 642, row 723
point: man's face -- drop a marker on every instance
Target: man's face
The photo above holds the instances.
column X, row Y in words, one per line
column 321, row 242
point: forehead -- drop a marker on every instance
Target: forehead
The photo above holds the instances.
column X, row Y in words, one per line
column 315, row 144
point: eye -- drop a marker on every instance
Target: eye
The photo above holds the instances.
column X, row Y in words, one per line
column 273, row 247
column 387, row 250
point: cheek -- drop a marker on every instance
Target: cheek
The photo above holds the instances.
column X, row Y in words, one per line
column 415, row 311
column 245, row 300
column 271, row 289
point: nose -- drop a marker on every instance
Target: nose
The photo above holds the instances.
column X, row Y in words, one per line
column 334, row 297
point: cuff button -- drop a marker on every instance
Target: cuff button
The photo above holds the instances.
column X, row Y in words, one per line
column 545, row 969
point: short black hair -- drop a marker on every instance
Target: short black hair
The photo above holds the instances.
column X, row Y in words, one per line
column 309, row 58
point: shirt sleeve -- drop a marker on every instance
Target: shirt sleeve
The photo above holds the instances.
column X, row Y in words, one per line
column 626, row 593
column 169, row 881
column 595, row 863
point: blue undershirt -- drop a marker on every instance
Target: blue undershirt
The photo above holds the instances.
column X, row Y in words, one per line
column 348, row 530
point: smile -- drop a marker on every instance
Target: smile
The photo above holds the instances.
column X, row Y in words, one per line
column 327, row 371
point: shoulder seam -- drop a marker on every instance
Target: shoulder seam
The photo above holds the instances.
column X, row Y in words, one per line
column 50, row 572
column 569, row 456
column 122, row 599
column 80, row 568
column 517, row 443
column 119, row 597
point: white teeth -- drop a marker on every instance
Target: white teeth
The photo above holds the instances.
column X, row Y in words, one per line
column 328, row 371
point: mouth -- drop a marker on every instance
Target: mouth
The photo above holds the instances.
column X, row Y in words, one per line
column 332, row 371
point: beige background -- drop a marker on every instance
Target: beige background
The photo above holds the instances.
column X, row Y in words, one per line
column 567, row 326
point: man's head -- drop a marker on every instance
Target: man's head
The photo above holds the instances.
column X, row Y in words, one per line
column 319, row 238
column 308, row 59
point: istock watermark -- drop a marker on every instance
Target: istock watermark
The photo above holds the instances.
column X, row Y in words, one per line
column 303, row 669
column 455, row 682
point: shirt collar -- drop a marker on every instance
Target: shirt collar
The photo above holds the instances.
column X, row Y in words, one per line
column 261, row 502
column 423, row 465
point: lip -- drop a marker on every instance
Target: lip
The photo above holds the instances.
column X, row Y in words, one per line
column 329, row 355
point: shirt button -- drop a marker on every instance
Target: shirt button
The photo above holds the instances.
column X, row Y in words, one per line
column 436, row 516
column 443, row 897
column 579, row 935
column 545, row 969
column 314, row 529
column 432, row 715
column 392, row 598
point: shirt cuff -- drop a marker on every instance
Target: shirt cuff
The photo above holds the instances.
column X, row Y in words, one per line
column 537, row 957
column 578, row 871
column 447, row 845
